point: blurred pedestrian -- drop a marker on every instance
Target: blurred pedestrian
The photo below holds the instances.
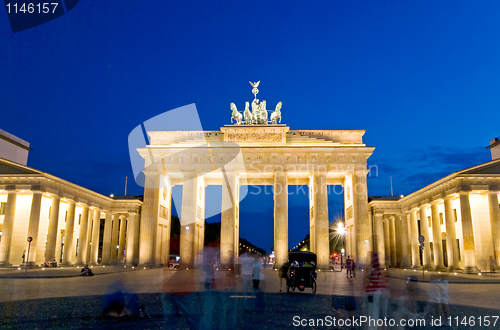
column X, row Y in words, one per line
column 180, row 298
column 376, row 294
column 348, row 266
column 439, row 297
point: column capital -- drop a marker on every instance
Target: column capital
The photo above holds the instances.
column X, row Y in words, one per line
column 493, row 189
column 436, row 202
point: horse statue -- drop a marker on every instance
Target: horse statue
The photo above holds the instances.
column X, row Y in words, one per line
column 236, row 115
column 259, row 112
column 276, row 115
column 249, row 116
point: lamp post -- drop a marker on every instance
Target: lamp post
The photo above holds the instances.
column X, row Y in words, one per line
column 341, row 231
column 342, row 258
column 28, row 257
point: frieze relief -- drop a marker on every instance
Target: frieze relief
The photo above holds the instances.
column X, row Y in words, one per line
column 255, row 137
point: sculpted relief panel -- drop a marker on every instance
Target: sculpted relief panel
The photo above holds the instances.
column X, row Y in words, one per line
column 255, row 137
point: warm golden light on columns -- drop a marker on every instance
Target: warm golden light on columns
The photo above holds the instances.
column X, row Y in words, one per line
column 392, row 238
column 451, row 236
column 424, row 230
column 468, row 233
column 387, row 242
column 94, row 251
column 436, row 235
column 405, row 246
column 415, row 249
column 50, row 252
column 106, row 239
column 68, row 239
column 188, row 219
column 121, row 241
column 362, row 225
column 321, row 221
column 114, row 238
column 82, row 239
column 149, row 219
column 228, row 219
column 495, row 223
column 132, row 231
column 379, row 236
column 33, row 226
column 8, row 225
column 280, row 217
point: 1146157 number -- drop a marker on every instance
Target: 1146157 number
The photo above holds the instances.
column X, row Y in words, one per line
column 30, row 8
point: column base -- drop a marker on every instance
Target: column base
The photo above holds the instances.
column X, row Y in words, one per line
column 66, row 264
column 147, row 265
column 31, row 265
column 5, row 264
column 441, row 269
column 471, row 270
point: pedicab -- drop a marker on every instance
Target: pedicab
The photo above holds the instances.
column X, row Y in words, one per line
column 302, row 271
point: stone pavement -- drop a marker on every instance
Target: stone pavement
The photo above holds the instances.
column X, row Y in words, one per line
column 19, row 272
column 61, row 300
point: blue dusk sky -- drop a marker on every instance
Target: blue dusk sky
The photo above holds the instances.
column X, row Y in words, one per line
column 421, row 77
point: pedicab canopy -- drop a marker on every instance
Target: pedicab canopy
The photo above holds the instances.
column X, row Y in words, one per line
column 302, row 258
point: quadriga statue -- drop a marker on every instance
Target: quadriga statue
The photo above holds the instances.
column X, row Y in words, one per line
column 236, row 115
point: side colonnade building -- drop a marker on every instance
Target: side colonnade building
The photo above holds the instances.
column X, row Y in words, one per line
column 458, row 217
column 63, row 220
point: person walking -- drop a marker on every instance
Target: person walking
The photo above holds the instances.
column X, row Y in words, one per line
column 348, row 266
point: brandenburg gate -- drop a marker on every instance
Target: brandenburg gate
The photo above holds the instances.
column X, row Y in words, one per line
column 255, row 151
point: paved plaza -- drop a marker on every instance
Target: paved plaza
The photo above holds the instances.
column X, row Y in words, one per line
column 62, row 300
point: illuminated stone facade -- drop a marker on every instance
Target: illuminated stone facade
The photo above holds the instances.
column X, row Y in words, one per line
column 241, row 155
column 461, row 210
column 63, row 220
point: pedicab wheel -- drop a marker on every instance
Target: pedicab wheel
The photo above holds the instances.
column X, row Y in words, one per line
column 314, row 286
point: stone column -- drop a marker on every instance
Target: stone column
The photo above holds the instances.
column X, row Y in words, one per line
column 362, row 225
column 387, row 242
column 405, row 247
column 424, row 230
column 451, row 236
column 33, row 225
column 468, row 233
column 281, row 218
column 8, row 225
column 149, row 220
column 52, row 232
column 379, row 237
column 121, row 242
column 321, row 222
column 188, row 219
column 132, row 234
column 82, row 238
column 437, row 238
column 228, row 219
column 114, row 238
column 495, row 223
column 94, row 251
column 415, row 249
column 68, row 237
column 392, row 233
column 106, row 239
column 312, row 234
column 398, row 237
